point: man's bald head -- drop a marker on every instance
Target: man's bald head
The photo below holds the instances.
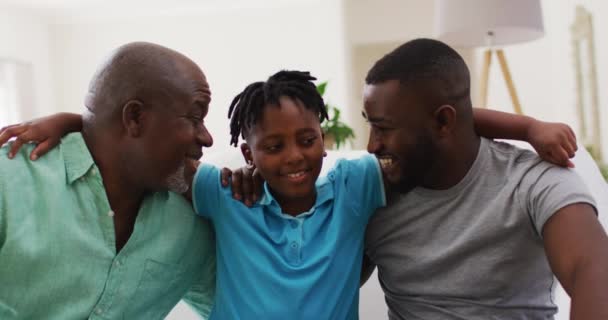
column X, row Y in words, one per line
column 140, row 71
column 144, row 118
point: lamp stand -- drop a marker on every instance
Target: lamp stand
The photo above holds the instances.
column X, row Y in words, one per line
column 485, row 74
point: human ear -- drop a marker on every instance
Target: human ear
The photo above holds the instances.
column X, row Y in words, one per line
column 132, row 117
column 445, row 119
column 246, row 151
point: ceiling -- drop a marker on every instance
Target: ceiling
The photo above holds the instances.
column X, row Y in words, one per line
column 61, row 11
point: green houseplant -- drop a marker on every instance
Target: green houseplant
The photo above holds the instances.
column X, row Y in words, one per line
column 336, row 132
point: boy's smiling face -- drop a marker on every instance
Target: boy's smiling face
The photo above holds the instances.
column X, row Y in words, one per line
column 286, row 146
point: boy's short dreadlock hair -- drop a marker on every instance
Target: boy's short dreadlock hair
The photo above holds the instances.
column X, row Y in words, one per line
column 247, row 107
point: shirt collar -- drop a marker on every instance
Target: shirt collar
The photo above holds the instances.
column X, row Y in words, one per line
column 325, row 192
column 76, row 155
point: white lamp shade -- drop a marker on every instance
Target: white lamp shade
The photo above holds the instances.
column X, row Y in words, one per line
column 466, row 23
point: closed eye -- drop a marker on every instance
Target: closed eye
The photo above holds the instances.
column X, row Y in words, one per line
column 196, row 120
column 309, row 141
column 381, row 128
column 273, row 148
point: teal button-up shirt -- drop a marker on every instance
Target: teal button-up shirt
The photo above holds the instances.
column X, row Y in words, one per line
column 57, row 245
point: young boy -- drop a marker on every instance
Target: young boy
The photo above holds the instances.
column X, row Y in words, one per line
column 297, row 252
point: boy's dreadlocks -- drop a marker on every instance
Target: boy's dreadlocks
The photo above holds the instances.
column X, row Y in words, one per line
column 247, row 107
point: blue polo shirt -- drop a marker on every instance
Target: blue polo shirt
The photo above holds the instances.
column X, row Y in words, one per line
column 275, row 266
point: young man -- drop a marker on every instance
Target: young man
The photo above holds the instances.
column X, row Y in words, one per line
column 91, row 231
column 480, row 227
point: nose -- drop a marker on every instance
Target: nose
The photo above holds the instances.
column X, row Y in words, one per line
column 294, row 154
column 374, row 144
column 203, row 137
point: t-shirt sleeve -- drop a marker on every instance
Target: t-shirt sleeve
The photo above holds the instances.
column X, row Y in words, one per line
column 552, row 189
column 363, row 182
column 206, row 190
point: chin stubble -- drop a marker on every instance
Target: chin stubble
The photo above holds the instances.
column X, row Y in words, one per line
column 176, row 181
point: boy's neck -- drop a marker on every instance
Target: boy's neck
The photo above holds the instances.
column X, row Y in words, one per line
column 296, row 206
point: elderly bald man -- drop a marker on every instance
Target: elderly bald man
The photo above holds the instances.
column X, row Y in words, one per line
column 91, row 230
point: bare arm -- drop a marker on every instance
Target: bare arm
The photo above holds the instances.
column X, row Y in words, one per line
column 554, row 142
column 46, row 132
column 577, row 249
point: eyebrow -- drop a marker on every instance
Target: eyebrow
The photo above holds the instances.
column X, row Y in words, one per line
column 202, row 106
column 305, row 130
column 298, row 132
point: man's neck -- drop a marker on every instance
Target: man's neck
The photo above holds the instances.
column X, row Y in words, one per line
column 453, row 164
column 124, row 197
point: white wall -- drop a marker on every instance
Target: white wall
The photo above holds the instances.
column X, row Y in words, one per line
column 385, row 21
column 24, row 38
column 233, row 47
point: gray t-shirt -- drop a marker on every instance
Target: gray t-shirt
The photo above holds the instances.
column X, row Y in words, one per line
column 474, row 251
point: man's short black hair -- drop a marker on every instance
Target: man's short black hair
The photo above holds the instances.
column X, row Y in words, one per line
column 424, row 59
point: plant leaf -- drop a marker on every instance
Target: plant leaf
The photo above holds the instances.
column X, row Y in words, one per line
column 321, row 88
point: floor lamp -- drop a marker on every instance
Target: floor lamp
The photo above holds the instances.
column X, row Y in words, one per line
column 491, row 24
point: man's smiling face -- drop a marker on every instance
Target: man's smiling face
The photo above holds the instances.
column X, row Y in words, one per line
column 400, row 133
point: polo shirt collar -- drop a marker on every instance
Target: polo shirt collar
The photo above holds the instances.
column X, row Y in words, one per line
column 325, row 193
column 76, row 155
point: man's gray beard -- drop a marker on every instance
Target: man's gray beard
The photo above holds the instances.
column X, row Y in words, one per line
column 176, row 181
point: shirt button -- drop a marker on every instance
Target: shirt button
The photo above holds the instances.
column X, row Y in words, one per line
column 110, row 213
column 294, row 224
column 117, row 263
column 294, row 245
column 98, row 311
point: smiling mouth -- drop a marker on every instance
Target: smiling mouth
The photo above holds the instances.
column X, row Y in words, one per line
column 297, row 176
column 386, row 163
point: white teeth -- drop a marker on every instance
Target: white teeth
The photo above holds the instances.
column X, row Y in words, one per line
column 296, row 175
column 385, row 162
